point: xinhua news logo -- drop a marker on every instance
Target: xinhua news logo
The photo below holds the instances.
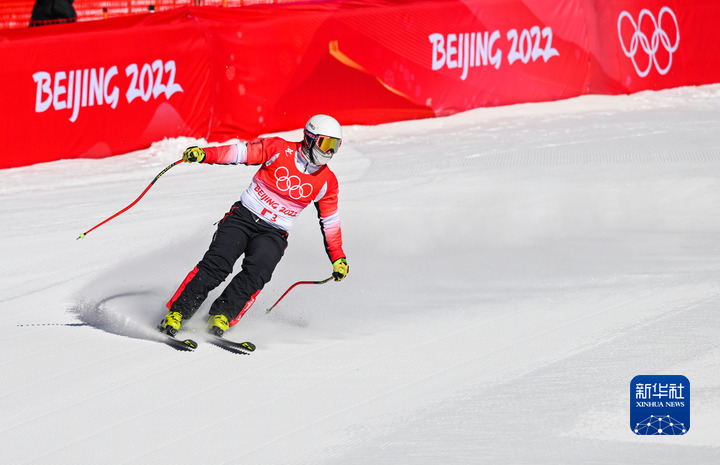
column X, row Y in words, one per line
column 660, row 405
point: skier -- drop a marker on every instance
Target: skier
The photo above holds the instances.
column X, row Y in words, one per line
column 292, row 175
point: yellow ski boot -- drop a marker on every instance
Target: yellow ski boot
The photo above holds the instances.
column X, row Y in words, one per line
column 171, row 323
column 217, row 325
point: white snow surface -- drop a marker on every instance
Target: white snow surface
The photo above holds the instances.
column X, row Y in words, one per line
column 511, row 270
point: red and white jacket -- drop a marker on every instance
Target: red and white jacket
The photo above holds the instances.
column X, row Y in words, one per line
column 284, row 185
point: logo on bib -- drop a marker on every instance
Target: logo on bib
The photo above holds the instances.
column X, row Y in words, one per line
column 293, row 185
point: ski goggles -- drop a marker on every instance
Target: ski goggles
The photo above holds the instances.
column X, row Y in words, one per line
column 327, row 144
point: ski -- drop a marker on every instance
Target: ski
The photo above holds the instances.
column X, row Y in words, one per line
column 244, row 348
column 187, row 345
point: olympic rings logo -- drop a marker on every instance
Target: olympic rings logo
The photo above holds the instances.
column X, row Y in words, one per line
column 650, row 45
column 291, row 184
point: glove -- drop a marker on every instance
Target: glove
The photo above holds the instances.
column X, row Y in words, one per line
column 192, row 154
column 340, row 269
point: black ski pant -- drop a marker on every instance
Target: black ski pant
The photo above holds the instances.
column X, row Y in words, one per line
column 239, row 232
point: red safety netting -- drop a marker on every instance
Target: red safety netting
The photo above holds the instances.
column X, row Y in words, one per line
column 16, row 13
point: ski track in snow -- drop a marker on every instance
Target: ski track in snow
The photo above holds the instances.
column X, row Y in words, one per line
column 513, row 269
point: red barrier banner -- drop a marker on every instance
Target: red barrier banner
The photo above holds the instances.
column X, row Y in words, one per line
column 652, row 44
column 398, row 60
column 101, row 88
column 89, row 90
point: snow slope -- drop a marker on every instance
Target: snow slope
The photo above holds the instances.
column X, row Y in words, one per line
column 512, row 269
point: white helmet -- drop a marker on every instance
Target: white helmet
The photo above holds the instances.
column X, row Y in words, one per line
column 322, row 139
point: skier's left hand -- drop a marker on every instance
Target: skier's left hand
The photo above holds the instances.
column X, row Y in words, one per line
column 340, row 269
column 193, row 154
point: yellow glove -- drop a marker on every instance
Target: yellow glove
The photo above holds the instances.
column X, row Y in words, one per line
column 340, row 269
column 192, row 154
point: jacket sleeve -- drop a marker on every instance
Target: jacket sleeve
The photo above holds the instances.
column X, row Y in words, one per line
column 329, row 216
column 251, row 153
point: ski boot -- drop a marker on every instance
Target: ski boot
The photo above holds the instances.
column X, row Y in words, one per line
column 171, row 323
column 217, row 325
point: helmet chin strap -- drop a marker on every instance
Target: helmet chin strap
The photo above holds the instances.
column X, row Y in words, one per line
column 307, row 152
column 311, row 154
column 307, row 156
column 312, row 159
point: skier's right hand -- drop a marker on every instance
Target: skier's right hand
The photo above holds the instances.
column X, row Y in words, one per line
column 192, row 154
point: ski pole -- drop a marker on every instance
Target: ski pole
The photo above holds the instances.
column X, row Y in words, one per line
column 291, row 288
column 136, row 200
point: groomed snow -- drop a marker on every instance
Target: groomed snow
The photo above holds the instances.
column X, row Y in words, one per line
column 511, row 270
